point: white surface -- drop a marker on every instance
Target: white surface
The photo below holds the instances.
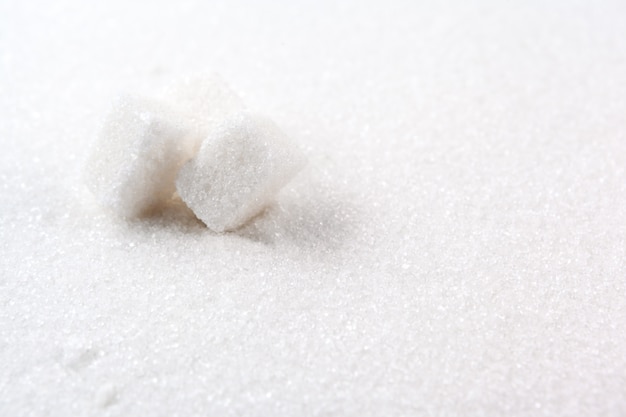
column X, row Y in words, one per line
column 134, row 162
column 238, row 171
column 457, row 245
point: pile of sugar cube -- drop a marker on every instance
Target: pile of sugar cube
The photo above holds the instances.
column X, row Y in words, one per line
column 197, row 141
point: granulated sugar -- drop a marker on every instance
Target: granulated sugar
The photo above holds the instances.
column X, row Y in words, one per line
column 456, row 244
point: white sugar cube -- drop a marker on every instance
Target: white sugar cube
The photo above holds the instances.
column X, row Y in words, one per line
column 135, row 160
column 204, row 101
column 237, row 172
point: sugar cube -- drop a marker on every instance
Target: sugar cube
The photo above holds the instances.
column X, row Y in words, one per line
column 135, row 160
column 205, row 101
column 237, row 171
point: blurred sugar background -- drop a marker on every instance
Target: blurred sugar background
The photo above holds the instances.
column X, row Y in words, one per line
column 457, row 245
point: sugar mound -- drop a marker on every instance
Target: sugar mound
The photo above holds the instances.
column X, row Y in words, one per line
column 238, row 170
column 204, row 101
column 134, row 162
column 456, row 245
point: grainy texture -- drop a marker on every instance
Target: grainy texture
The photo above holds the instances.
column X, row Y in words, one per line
column 456, row 246
column 136, row 157
column 238, row 171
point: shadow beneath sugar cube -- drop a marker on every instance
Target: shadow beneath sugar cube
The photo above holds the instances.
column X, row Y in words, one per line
column 173, row 215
